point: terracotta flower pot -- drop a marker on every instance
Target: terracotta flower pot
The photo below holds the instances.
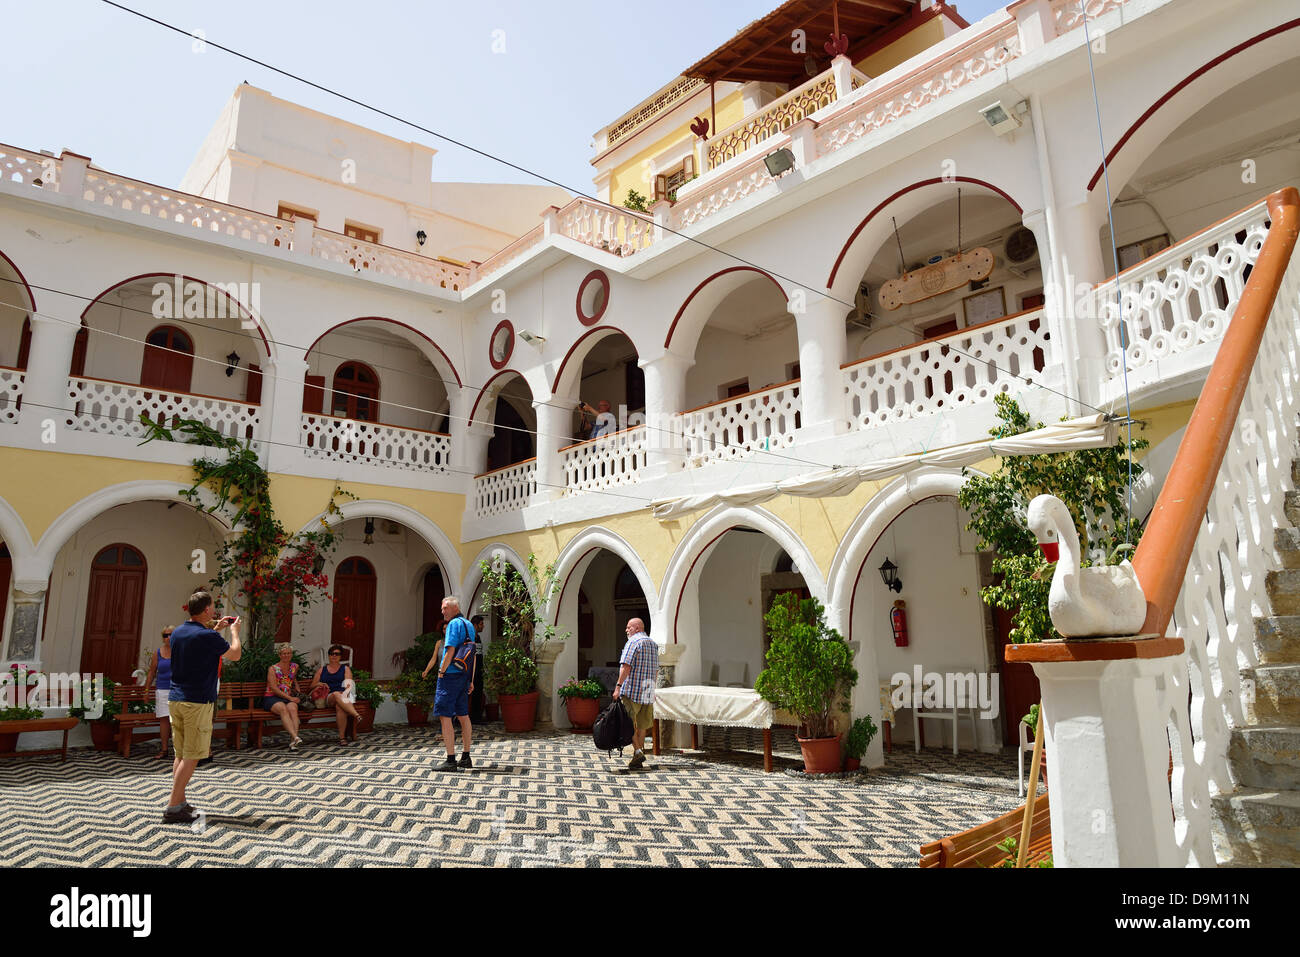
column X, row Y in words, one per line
column 852, row 764
column 417, row 716
column 583, row 712
column 103, row 735
column 491, row 711
column 519, row 711
column 8, row 743
column 820, row 755
column 367, row 722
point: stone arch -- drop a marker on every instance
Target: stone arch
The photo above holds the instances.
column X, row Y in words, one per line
column 22, row 281
column 695, row 310
column 13, row 531
column 430, row 349
column 579, row 552
column 487, row 395
column 865, row 240
column 474, row 574
column 570, row 370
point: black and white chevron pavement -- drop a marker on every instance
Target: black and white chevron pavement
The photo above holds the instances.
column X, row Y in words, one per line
column 532, row 800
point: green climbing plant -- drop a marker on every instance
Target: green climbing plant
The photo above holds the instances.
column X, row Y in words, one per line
column 1091, row 482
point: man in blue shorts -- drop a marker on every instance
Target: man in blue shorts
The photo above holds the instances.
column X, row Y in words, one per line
column 455, row 682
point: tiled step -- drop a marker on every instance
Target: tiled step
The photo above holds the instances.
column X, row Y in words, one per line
column 1277, row 639
column 1283, row 589
column 1276, row 694
column 1266, row 756
column 1287, row 542
column 1258, row 828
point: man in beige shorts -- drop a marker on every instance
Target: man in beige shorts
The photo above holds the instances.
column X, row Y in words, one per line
column 197, row 649
column 638, row 676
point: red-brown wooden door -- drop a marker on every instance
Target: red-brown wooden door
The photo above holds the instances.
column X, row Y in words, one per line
column 354, row 610
column 356, row 393
column 1020, row 687
column 434, row 592
column 168, row 360
column 114, row 609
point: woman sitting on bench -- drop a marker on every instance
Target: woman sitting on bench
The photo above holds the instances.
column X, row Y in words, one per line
column 282, row 693
column 332, row 676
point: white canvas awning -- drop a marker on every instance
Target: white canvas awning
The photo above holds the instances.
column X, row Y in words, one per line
column 1088, row 432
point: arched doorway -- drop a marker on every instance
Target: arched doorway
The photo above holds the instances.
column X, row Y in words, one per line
column 114, row 612
column 355, row 589
column 168, row 363
column 514, row 424
column 434, row 590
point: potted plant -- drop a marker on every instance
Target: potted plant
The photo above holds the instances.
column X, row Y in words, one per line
column 809, row 671
column 511, row 674
column 369, row 698
column 9, row 739
column 103, row 730
column 858, row 740
column 582, row 702
column 417, row 692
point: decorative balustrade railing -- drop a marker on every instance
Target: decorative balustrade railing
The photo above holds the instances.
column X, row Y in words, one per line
column 962, row 368
column 505, row 490
column 1178, row 298
column 606, row 462
column 871, row 108
column 24, row 166
column 765, row 420
column 500, row 260
column 388, row 261
column 114, row 408
column 11, row 393
column 776, row 117
column 1068, row 14
column 620, row 232
column 730, row 187
column 1209, row 544
column 388, row 446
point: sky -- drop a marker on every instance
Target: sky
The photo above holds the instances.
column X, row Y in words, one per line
column 139, row 99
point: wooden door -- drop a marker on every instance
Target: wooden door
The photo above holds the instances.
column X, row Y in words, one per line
column 434, row 592
column 354, row 611
column 78, row 365
column 24, row 345
column 168, row 360
column 1019, row 683
column 356, row 393
column 114, row 609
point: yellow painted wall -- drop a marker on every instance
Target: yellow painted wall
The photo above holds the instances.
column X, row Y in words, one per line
column 906, row 46
column 631, row 174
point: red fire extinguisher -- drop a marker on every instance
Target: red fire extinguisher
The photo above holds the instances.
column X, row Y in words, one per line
column 898, row 621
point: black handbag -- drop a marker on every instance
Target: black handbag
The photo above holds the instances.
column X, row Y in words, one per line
column 613, row 729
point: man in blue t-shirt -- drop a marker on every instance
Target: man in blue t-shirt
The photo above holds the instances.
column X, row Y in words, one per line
column 455, row 682
column 197, row 651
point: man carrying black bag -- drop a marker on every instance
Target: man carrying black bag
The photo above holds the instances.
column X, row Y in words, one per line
column 637, row 677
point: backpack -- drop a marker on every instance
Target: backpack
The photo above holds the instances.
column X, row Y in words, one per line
column 613, row 729
column 464, row 655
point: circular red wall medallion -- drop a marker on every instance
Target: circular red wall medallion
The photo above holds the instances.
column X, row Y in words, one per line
column 502, row 344
column 593, row 297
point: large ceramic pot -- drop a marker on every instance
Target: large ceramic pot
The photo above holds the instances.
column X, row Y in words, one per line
column 417, row 716
column 820, row 755
column 583, row 712
column 103, row 735
column 367, row 722
column 519, row 711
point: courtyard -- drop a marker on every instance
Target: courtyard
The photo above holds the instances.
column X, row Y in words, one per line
column 532, row 800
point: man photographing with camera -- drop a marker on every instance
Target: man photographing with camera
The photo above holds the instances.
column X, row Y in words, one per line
column 605, row 423
column 197, row 648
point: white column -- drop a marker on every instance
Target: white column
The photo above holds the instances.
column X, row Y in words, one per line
column 282, row 410
column 1108, row 752
column 822, row 348
column 1035, row 21
column 1056, row 303
column 665, row 397
column 45, row 384
column 1078, row 259
column 554, row 420
column 842, row 67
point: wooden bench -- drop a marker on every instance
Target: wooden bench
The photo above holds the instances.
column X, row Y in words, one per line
column 38, row 724
column 128, row 723
column 259, row 717
column 978, row 847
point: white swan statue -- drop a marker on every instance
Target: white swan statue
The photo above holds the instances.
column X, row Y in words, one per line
column 1084, row 602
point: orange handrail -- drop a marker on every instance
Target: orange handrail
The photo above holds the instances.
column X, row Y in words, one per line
column 1166, row 547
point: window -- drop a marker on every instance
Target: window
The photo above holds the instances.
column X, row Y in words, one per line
column 363, row 233
column 731, row 389
column 285, row 211
column 666, row 184
column 356, row 393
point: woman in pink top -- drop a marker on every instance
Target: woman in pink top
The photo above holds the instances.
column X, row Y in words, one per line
column 282, row 694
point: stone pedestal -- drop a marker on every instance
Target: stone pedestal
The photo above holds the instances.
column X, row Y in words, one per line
column 1107, row 748
column 546, row 654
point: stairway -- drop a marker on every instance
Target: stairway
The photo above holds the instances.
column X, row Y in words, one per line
column 1258, row 824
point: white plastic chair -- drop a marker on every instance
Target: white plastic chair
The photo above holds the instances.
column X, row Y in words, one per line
column 953, row 715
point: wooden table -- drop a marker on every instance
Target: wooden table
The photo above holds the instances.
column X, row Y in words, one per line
column 38, row 724
column 715, row 707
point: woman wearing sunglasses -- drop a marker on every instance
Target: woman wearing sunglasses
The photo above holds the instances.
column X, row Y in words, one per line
column 332, row 676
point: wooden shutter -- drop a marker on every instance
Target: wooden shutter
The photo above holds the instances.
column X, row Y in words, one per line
column 313, row 395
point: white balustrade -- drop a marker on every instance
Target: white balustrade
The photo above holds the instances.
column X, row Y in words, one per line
column 11, row 391
column 621, row 232
column 729, row 188
column 1178, row 298
column 869, row 109
column 1069, row 13
column 606, row 462
column 776, row 117
column 350, row 440
column 505, row 490
column 964, row 368
column 361, row 255
column 1224, row 586
column 24, row 166
column 765, row 420
column 114, row 408
column 523, row 244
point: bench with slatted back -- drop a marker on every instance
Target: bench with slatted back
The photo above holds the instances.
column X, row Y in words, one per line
column 259, row 717
column 128, row 722
column 978, row 847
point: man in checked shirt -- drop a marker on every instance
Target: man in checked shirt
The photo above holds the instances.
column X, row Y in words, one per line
column 637, row 676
